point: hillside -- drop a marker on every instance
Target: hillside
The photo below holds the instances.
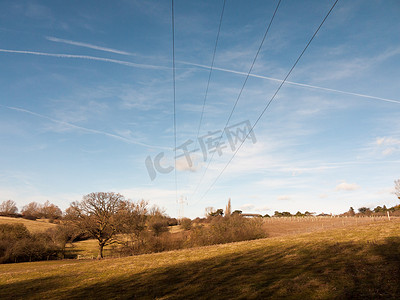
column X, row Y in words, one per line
column 353, row 262
column 33, row 226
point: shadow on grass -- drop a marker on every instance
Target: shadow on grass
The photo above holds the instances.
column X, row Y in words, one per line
column 306, row 270
column 30, row 289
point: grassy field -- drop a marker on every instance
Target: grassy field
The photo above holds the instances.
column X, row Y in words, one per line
column 295, row 225
column 354, row 262
column 274, row 227
column 33, row 226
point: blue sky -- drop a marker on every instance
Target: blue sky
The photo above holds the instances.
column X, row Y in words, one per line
column 86, row 96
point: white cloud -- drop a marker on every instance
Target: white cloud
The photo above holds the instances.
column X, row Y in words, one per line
column 262, row 208
column 165, row 198
column 390, row 145
column 182, row 164
column 387, row 141
column 284, row 197
column 247, row 207
column 147, row 98
column 344, row 186
column 380, row 141
column 389, row 151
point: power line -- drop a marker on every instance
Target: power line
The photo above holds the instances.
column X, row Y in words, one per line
column 174, row 88
column 269, row 102
column 240, row 93
column 209, row 75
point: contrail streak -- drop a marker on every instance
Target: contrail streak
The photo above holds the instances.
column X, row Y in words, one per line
column 293, row 83
column 115, row 61
column 87, row 45
column 118, row 137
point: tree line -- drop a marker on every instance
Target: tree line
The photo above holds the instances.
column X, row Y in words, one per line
column 132, row 227
column 31, row 211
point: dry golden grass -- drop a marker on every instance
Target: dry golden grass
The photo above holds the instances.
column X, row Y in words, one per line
column 87, row 249
column 32, row 226
column 298, row 225
column 358, row 261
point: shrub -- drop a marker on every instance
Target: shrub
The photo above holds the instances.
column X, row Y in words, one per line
column 150, row 243
column 158, row 225
column 29, row 217
column 18, row 245
column 186, row 224
column 13, row 231
column 172, row 222
column 225, row 230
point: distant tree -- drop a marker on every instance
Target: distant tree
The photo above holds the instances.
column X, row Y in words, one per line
column 378, row 209
column 308, row 214
column 384, row 208
column 31, row 210
column 228, row 209
column 237, row 212
column 351, row 212
column 209, row 210
column 212, row 212
column 100, row 215
column 267, row 216
column 299, row 214
column 282, row 214
column 8, row 207
column 323, row 215
column 186, row 224
column 364, row 210
column 134, row 217
column 218, row 212
column 50, row 211
column 63, row 234
column 157, row 220
column 172, row 221
column 397, row 188
column 394, row 208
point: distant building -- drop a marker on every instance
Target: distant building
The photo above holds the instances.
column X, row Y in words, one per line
column 252, row 215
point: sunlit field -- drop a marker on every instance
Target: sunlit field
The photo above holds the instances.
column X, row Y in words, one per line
column 295, row 225
column 32, row 226
column 358, row 260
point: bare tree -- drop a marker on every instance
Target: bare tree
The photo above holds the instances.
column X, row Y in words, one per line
column 397, row 188
column 98, row 214
column 62, row 235
column 8, row 207
column 134, row 217
column 157, row 220
column 31, row 210
column 50, row 211
column 228, row 209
